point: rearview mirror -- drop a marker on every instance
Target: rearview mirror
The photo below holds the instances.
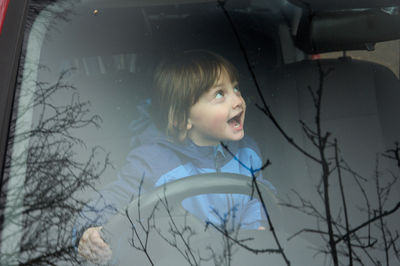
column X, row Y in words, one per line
column 357, row 29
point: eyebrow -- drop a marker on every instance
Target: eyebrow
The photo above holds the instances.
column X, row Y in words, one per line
column 234, row 83
column 218, row 86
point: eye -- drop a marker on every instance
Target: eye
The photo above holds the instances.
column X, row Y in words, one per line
column 219, row 94
column 236, row 89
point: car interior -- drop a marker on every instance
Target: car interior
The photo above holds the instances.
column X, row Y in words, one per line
column 105, row 53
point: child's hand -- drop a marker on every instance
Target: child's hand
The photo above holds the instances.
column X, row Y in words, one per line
column 92, row 247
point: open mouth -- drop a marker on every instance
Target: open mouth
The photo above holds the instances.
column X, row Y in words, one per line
column 236, row 121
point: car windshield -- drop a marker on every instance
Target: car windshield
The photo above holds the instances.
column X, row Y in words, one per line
column 201, row 132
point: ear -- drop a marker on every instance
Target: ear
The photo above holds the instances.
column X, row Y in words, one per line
column 189, row 124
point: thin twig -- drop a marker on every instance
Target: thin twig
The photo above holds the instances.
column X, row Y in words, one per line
column 346, row 216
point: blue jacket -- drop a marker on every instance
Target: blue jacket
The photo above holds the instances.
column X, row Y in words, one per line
column 158, row 160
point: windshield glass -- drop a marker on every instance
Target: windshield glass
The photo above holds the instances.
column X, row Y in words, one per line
column 204, row 133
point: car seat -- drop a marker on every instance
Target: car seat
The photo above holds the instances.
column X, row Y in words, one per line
column 359, row 108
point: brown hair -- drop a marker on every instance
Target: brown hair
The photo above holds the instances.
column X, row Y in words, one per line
column 180, row 81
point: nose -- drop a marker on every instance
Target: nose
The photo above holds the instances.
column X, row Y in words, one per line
column 237, row 101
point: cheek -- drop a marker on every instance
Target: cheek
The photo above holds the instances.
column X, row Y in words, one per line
column 218, row 120
column 210, row 119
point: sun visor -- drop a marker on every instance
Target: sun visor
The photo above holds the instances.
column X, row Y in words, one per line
column 347, row 30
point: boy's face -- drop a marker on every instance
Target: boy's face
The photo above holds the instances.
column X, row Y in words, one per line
column 218, row 115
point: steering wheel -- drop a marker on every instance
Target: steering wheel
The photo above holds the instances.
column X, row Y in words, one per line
column 163, row 206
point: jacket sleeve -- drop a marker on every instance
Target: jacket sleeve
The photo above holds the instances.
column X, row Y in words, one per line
column 134, row 175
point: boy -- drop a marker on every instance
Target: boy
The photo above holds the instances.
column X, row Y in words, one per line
column 197, row 106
